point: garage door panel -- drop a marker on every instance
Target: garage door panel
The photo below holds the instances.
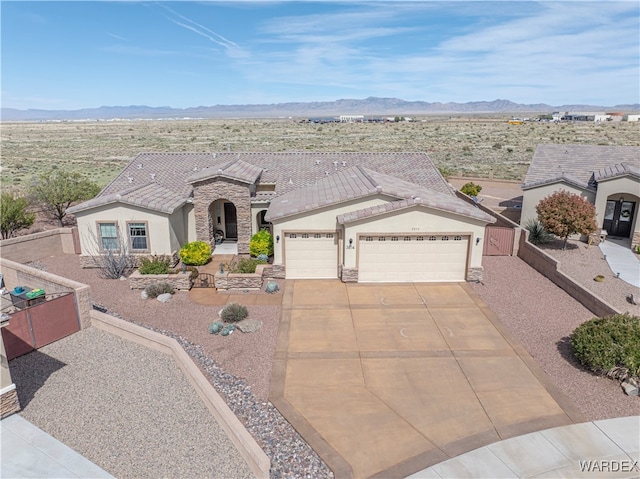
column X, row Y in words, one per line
column 396, row 259
column 311, row 255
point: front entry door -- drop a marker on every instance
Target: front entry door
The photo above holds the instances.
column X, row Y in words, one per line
column 618, row 218
column 230, row 221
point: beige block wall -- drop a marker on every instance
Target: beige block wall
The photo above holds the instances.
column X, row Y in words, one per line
column 531, row 198
column 38, row 245
column 614, row 189
column 16, row 274
column 163, row 232
column 323, row 219
column 415, row 221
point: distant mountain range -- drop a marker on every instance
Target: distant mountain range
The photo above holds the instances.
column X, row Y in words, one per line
column 371, row 106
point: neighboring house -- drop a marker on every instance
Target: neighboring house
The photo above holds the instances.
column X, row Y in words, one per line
column 354, row 216
column 607, row 176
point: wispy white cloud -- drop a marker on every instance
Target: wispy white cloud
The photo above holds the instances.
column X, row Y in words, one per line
column 117, row 37
column 182, row 21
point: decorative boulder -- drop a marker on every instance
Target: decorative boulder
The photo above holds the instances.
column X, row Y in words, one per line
column 249, row 325
column 164, row 298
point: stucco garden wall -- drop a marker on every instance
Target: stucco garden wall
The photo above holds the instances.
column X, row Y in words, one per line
column 16, row 274
column 38, row 245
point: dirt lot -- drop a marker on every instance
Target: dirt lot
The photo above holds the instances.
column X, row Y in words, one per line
column 460, row 146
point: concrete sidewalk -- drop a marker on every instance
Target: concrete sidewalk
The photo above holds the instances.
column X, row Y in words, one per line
column 607, row 448
column 29, row 452
column 383, row 380
column 622, row 260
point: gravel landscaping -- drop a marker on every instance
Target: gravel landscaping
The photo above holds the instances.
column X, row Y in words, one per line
column 542, row 316
column 538, row 314
column 238, row 366
column 143, row 421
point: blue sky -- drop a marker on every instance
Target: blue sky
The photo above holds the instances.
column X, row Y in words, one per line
column 71, row 55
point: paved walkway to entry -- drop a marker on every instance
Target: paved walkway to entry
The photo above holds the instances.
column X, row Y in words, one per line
column 622, row 260
column 390, row 379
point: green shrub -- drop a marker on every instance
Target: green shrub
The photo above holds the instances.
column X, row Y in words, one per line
column 195, row 253
column 261, row 243
column 246, row 265
column 154, row 265
column 537, row 233
column 609, row 345
column 232, row 313
column 471, row 189
column 156, row 289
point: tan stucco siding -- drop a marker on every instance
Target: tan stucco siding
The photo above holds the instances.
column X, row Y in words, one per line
column 255, row 210
column 177, row 231
column 189, row 219
column 415, row 222
column 533, row 196
column 162, row 239
column 323, row 219
column 614, row 189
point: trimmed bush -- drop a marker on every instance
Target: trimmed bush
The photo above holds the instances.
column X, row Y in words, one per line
column 155, row 290
column 195, row 253
column 609, row 345
column 246, row 265
column 471, row 189
column 537, row 233
column 232, row 313
column 154, row 265
column 261, row 243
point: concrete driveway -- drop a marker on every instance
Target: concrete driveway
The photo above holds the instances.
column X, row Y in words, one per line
column 387, row 379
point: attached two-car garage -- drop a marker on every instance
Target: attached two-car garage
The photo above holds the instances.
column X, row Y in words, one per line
column 406, row 258
column 381, row 258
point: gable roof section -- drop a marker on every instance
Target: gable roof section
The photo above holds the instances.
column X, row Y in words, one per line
column 580, row 163
column 289, row 171
column 562, row 178
column 151, row 196
column 359, row 182
column 450, row 205
column 235, row 170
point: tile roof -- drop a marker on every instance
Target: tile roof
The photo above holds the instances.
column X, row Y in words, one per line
column 359, row 182
column 443, row 203
column 615, row 171
column 562, row 178
column 236, row 170
column 579, row 162
column 287, row 170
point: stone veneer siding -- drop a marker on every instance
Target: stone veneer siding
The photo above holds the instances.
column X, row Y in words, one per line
column 274, row 271
column 475, row 274
column 179, row 281
column 9, row 403
column 348, row 275
column 208, row 191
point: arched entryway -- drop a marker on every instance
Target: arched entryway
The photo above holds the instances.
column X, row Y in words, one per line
column 223, row 221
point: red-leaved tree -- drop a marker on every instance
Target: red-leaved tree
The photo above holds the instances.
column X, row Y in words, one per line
column 565, row 214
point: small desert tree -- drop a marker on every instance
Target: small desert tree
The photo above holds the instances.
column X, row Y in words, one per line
column 565, row 214
column 56, row 191
column 471, row 189
column 14, row 215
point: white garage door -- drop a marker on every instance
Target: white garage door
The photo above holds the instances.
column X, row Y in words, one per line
column 311, row 255
column 412, row 258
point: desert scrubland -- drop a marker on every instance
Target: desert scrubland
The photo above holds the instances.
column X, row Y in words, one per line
column 462, row 146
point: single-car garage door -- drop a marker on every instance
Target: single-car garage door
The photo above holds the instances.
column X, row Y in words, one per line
column 425, row 258
column 311, row 255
